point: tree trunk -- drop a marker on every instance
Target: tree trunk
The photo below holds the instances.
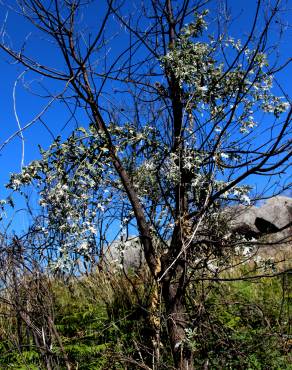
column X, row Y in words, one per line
column 176, row 324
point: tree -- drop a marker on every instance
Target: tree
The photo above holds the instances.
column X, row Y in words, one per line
column 170, row 152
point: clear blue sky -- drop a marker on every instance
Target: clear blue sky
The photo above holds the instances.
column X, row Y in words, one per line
column 29, row 105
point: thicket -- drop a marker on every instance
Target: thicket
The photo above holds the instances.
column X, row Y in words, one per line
column 100, row 321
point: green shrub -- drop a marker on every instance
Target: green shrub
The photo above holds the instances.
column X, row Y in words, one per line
column 102, row 322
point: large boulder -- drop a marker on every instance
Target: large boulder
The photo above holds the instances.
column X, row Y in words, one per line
column 125, row 254
column 277, row 210
column 269, row 221
column 272, row 216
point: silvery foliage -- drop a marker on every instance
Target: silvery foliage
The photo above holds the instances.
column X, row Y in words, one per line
column 77, row 187
column 214, row 89
column 76, row 180
column 72, row 179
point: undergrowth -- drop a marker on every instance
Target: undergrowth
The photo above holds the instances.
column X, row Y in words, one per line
column 102, row 323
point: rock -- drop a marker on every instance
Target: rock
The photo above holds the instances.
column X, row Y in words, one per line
column 246, row 230
column 270, row 222
column 270, row 219
column 277, row 210
column 265, row 227
column 126, row 254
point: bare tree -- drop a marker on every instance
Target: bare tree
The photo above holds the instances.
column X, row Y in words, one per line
column 172, row 125
column 27, row 300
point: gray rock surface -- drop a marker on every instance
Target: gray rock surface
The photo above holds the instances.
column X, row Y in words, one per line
column 277, row 210
column 126, row 254
column 273, row 214
column 252, row 221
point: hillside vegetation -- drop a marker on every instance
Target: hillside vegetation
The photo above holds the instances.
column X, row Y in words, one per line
column 100, row 321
